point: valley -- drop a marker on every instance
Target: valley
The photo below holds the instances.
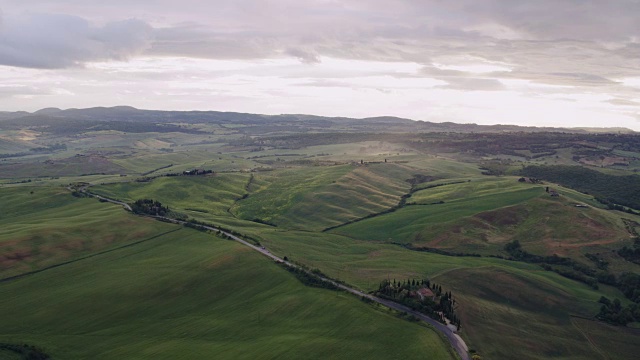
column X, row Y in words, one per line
column 524, row 227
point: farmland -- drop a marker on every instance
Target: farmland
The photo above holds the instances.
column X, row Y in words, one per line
column 358, row 203
column 190, row 294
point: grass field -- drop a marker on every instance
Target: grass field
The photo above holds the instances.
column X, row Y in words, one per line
column 317, row 198
column 472, row 188
column 188, row 294
column 539, row 224
column 406, row 223
column 610, row 342
column 65, row 167
column 291, row 185
column 213, row 194
column 530, row 315
column 480, row 215
column 196, row 156
column 442, row 167
column 536, row 320
column 42, row 226
column 131, row 288
column 527, row 308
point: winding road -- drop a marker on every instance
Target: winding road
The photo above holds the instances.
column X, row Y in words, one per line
column 454, row 339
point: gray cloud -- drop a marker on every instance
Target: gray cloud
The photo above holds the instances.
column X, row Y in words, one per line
column 472, row 84
column 199, row 41
column 583, row 46
column 19, row 90
column 460, row 80
column 304, row 55
column 535, row 36
column 624, row 102
column 57, row 41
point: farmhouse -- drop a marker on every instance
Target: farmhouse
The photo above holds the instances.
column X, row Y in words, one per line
column 425, row 293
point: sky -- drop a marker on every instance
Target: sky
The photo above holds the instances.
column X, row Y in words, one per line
column 569, row 63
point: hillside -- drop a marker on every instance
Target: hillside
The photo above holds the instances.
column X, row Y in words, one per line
column 190, row 294
column 531, row 231
column 119, row 114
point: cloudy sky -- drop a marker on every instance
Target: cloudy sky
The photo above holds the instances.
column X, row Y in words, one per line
column 528, row 62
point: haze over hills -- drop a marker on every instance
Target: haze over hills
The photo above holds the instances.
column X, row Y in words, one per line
column 53, row 116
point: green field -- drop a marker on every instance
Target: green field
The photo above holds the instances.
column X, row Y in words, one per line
column 41, row 226
column 188, row 294
column 406, row 223
column 544, row 322
column 530, row 306
column 213, row 194
column 320, row 197
column 611, row 342
column 512, row 209
column 196, row 156
column 353, row 199
column 531, row 315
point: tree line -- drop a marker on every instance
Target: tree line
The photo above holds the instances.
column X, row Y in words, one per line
column 149, row 207
column 609, row 189
column 628, row 283
column 614, row 313
column 631, row 253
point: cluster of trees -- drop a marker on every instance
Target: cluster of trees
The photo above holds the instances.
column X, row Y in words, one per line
column 600, row 263
column 631, row 253
column 538, row 144
column 614, row 206
column 439, row 306
column 613, row 312
column 49, row 148
column 156, row 169
column 197, row 172
column 609, row 189
column 265, row 222
column 25, row 351
column 628, row 283
column 79, row 194
column 149, row 207
column 191, row 172
column 564, row 266
column 438, row 251
column 309, row 278
column 495, row 168
column 418, row 179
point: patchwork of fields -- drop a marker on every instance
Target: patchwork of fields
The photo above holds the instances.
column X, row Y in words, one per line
column 85, row 279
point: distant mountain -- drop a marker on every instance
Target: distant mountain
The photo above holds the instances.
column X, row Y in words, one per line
column 12, row 115
column 257, row 123
column 48, row 111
